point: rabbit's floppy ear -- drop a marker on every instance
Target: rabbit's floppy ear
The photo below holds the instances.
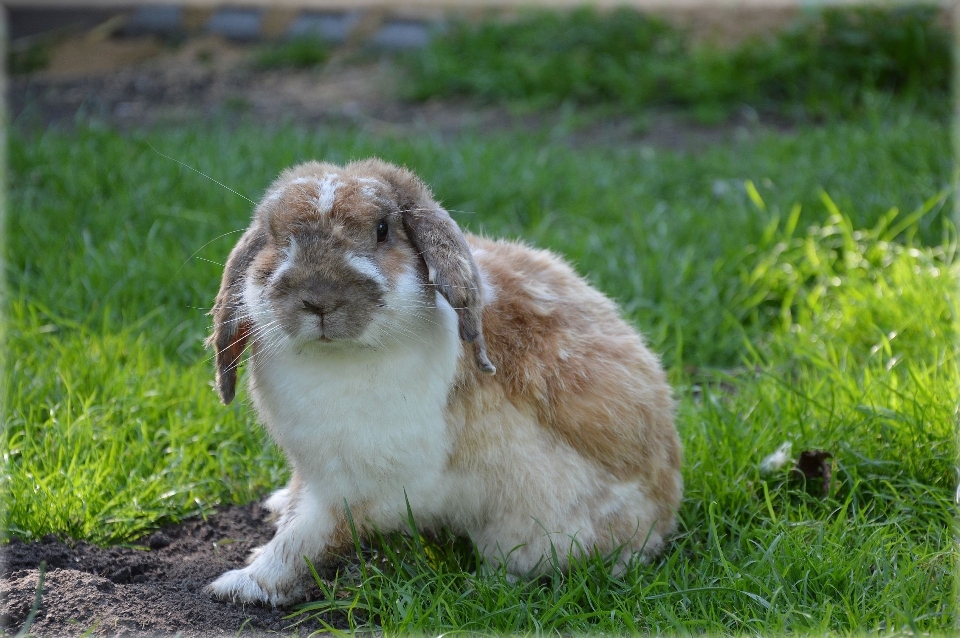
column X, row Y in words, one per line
column 231, row 325
column 451, row 268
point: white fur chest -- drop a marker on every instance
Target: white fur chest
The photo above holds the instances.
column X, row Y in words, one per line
column 363, row 423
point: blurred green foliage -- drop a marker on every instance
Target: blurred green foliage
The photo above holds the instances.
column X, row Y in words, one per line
column 834, row 61
column 296, row 53
column 26, row 59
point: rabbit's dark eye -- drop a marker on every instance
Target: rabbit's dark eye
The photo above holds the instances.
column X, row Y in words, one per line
column 382, row 231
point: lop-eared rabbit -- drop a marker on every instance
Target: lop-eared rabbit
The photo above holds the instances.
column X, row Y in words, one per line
column 397, row 360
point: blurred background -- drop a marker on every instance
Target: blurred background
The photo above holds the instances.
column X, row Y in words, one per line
column 450, row 64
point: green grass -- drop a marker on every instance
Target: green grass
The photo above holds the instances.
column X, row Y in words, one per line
column 831, row 325
column 831, row 62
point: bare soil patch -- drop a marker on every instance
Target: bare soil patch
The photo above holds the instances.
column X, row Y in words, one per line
column 153, row 589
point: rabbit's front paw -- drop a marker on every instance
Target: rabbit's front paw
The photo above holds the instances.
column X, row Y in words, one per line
column 238, row 586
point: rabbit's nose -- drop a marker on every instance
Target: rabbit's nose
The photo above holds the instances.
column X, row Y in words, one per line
column 322, row 308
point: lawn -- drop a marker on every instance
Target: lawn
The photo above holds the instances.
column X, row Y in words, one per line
column 801, row 287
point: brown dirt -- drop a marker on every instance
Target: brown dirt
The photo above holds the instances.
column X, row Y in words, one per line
column 151, row 590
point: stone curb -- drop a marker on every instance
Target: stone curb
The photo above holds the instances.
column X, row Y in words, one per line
column 380, row 29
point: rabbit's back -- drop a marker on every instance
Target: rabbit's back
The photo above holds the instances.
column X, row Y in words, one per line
column 579, row 417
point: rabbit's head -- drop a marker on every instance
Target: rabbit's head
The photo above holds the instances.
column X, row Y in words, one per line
column 341, row 256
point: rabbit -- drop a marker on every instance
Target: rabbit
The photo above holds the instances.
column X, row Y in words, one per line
column 398, row 361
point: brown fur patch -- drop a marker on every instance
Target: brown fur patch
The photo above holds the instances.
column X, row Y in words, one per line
column 341, row 539
column 561, row 348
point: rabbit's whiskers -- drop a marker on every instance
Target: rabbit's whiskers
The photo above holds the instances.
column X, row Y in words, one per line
column 399, row 342
column 202, row 174
column 405, row 330
column 416, row 315
column 269, row 350
column 257, row 333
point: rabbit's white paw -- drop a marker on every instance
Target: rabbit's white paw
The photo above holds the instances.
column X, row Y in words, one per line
column 238, row 586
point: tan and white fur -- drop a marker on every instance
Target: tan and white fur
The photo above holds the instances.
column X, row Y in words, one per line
column 397, row 360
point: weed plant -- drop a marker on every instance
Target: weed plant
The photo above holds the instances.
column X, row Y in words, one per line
column 791, row 300
column 296, row 53
column 831, row 63
column 28, row 58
